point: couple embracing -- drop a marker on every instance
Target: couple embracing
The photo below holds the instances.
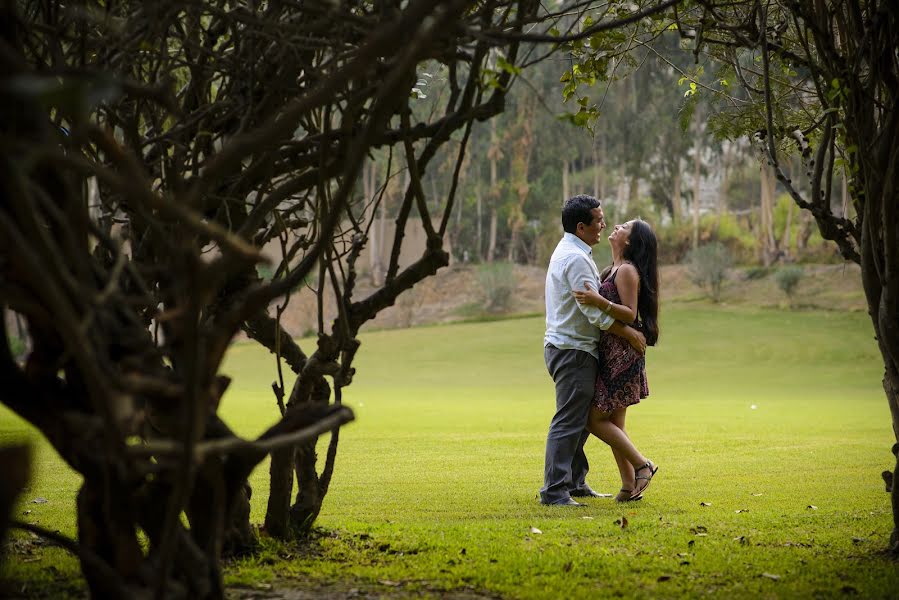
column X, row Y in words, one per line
column 597, row 330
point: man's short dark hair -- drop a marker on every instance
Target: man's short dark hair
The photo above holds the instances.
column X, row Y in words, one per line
column 578, row 209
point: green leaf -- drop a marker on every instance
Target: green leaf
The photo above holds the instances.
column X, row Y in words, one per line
column 489, row 79
column 686, row 112
column 508, row 67
column 566, row 76
column 583, row 100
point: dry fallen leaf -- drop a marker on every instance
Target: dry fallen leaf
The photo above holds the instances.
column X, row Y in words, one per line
column 39, row 500
column 389, row 582
column 698, row 529
column 663, row 578
column 757, row 495
column 771, row 576
column 587, row 518
column 812, row 507
column 705, row 504
column 535, row 530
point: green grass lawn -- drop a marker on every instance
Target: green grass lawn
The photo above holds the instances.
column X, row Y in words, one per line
column 775, row 419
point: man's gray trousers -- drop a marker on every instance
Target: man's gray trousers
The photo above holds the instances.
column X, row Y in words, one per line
column 574, row 373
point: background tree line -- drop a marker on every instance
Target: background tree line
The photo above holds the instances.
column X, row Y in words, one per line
column 649, row 152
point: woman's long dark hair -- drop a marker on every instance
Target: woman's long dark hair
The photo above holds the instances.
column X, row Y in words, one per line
column 642, row 251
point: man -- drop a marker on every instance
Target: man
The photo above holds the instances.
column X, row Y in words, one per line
column 572, row 330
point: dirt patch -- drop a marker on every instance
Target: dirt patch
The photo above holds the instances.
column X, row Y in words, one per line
column 453, row 294
column 822, row 287
column 308, row 590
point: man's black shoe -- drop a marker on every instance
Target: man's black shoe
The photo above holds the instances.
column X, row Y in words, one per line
column 568, row 502
column 588, row 492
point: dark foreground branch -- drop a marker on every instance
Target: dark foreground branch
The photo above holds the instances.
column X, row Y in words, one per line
column 273, row 439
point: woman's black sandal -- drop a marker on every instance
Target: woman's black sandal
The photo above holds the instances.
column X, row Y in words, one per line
column 638, row 491
column 625, row 496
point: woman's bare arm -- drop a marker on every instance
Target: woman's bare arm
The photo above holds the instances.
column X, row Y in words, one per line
column 628, row 282
column 633, row 337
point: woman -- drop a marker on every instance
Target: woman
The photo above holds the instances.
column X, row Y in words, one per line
column 628, row 291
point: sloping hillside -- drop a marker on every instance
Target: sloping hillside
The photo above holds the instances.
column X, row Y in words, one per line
column 454, row 294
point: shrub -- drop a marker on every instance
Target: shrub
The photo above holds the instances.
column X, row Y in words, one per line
column 788, row 279
column 736, row 235
column 708, row 266
column 676, row 241
column 757, row 272
column 497, row 284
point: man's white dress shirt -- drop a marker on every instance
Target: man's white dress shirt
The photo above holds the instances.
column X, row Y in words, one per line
column 569, row 325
